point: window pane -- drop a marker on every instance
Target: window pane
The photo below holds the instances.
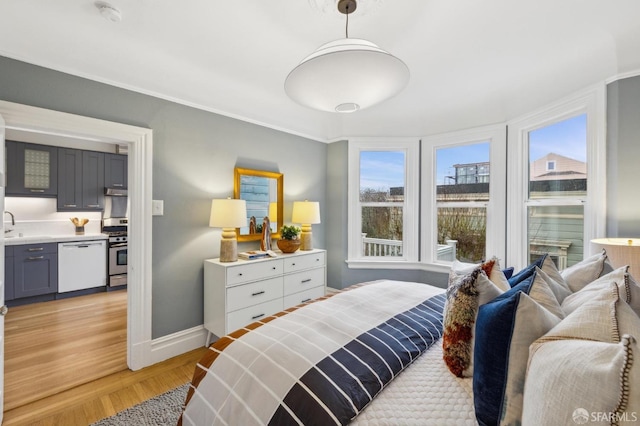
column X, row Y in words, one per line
column 462, row 233
column 557, row 230
column 463, row 170
column 558, row 159
column 382, row 176
column 382, row 231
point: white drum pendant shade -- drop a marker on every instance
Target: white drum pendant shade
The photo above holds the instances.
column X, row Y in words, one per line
column 346, row 75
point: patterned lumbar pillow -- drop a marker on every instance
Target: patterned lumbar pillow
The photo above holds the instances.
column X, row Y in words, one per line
column 465, row 293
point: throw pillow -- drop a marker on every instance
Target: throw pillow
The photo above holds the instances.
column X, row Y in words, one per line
column 633, row 293
column 465, row 293
column 602, row 379
column 491, row 267
column 585, row 271
column 505, row 328
column 588, row 292
column 545, row 264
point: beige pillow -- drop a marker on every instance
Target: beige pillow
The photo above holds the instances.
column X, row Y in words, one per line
column 585, row 366
column 560, row 289
column 632, row 289
column 582, row 273
column 588, row 292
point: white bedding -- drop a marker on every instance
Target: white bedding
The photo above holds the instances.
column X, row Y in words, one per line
column 424, row 394
column 330, row 358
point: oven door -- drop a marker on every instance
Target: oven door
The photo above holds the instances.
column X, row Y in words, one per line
column 118, row 259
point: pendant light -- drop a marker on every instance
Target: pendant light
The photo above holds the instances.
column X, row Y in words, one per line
column 346, row 75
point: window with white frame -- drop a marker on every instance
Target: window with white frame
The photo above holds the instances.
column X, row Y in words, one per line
column 383, row 201
column 463, row 180
column 557, row 209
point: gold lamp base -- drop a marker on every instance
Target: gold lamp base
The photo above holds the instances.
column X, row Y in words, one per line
column 306, row 237
column 228, row 245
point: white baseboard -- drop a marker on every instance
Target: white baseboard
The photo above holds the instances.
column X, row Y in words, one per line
column 178, row 343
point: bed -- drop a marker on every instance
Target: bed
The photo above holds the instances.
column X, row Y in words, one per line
column 391, row 352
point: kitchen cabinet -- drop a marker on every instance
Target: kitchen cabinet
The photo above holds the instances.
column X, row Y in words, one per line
column 115, row 171
column 35, row 270
column 80, row 180
column 8, row 273
column 238, row 293
column 32, row 170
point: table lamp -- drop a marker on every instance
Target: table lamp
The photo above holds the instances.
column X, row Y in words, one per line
column 621, row 252
column 306, row 213
column 228, row 214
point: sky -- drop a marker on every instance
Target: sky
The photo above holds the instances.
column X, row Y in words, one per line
column 566, row 138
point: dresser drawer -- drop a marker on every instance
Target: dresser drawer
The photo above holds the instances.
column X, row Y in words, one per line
column 242, row 296
column 247, row 271
column 303, row 296
column 298, row 263
column 303, row 280
column 242, row 317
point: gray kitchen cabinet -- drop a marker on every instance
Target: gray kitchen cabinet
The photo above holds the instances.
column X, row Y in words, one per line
column 8, row 273
column 115, row 171
column 35, row 270
column 80, row 180
column 31, row 170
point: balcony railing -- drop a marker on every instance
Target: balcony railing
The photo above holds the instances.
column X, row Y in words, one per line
column 382, row 247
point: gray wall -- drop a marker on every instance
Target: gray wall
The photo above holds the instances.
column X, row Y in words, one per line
column 623, row 158
column 195, row 153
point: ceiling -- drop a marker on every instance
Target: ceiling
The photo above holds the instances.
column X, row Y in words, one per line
column 472, row 62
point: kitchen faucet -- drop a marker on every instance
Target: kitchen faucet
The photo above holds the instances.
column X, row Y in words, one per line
column 13, row 221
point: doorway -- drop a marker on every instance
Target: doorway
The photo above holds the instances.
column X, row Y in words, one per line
column 139, row 141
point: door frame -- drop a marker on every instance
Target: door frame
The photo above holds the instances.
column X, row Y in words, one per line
column 140, row 163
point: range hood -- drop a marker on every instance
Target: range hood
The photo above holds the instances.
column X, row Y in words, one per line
column 116, row 192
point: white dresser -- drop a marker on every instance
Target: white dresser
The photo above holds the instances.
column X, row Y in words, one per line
column 239, row 293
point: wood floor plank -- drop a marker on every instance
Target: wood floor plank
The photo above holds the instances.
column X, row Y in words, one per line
column 57, row 345
column 91, row 331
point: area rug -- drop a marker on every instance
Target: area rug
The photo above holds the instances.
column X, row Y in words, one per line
column 162, row 410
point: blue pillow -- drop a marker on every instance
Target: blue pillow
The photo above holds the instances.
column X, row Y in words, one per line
column 505, row 328
column 526, row 272
column 508, row 272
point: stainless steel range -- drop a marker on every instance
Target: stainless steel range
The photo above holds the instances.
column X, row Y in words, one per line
column 115, row 224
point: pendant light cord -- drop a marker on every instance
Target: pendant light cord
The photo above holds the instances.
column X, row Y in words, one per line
column 346, row 28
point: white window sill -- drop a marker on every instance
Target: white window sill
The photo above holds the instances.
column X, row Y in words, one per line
column 397, row 264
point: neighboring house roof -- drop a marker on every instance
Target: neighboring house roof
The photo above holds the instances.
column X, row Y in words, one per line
column 557, row 167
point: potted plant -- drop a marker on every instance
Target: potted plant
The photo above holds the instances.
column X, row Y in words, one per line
column 289, row 240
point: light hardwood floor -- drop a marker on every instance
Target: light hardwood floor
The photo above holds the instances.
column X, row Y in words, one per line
column 65, row 363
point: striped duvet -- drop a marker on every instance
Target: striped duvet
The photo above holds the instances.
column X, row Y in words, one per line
column 319, row 363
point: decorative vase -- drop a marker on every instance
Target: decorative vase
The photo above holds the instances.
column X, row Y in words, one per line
column 288, row 246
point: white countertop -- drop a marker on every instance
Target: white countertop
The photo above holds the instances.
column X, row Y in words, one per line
column 14, row 240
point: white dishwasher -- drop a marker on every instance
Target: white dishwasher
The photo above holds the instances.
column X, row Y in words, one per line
column 82, row 264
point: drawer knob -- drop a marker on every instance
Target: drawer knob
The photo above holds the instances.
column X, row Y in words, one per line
column 36, row 249
column 306, row 281
column 274, row 268
column 240, row 274
column 257, row 293
column 257, row 316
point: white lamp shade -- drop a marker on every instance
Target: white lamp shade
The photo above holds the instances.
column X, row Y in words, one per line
column 621, row 252
column 306, row 212
column 228, row 213
column 346, row 75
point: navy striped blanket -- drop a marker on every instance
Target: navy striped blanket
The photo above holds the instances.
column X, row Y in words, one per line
column 318, row 363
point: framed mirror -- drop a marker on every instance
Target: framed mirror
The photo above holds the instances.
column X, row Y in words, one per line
column 263, row 192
